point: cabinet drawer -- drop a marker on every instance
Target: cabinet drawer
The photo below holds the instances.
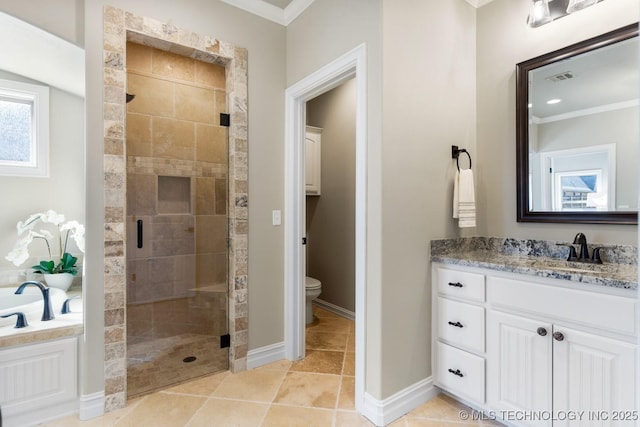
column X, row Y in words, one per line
column 606, row 312
column 461, row 284
column 461, row 324
column 460, row 372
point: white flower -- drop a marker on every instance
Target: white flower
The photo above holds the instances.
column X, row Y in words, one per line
column 53, row 217
column 76, row 232
column 20, row 252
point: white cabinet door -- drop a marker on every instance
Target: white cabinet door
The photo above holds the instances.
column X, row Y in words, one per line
column 519, row 357
column 313, row 154
column 595, row 375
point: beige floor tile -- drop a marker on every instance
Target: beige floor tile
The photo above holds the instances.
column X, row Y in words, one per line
column 280, row 365
column 257, row 385
column 295, row 416
column 440, row 408
column 318, row 340
column 417, row 422
column 160, row 410
column 346, row 399
column 107, row 420
column 321, row 362
column 310, row 390
column 201, row 386
column 227, row 412
column 336, row 325
column 352, row 419
column 351, row 342
column 349, row 367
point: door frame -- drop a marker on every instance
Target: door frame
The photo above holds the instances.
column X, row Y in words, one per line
column 351, row 64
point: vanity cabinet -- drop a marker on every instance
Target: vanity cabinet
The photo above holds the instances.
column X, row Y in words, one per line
column 459, row 364
column 552, row 350
column 313, row 156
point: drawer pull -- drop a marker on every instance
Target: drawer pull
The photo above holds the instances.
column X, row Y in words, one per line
column 455, row 284
column 456, row 372
column 558, row 336
column 456, row 324
column 542, row 331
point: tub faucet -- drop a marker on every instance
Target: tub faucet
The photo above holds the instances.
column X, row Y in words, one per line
column 47, row 312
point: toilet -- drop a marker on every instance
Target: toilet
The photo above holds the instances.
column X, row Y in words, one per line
column 313, row 289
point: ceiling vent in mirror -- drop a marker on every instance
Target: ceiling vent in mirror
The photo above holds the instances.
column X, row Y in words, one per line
column 565, row 75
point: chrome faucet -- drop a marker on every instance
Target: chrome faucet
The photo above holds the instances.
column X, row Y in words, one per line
column 47, row 312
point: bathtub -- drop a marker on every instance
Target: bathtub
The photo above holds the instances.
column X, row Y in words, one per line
column 29, row 302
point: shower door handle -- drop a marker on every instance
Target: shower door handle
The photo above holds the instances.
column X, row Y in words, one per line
column 139, row 233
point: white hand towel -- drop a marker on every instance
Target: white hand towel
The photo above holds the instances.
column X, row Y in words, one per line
column 464, row 203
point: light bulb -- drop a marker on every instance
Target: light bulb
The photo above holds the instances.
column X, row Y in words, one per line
column 540, row 13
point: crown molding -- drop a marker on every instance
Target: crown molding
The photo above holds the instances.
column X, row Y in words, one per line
column 270, row 12
column 478, row 3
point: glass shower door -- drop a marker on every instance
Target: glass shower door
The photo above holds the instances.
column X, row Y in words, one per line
column 177, row 227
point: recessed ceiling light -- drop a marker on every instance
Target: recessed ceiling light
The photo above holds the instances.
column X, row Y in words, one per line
column 554, row 101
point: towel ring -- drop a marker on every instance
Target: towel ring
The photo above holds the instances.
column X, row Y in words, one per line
column 455, row 154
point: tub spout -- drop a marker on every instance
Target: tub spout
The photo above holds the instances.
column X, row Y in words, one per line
column 47, row 312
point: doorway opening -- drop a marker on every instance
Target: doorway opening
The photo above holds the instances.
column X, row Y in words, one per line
column 352, row 65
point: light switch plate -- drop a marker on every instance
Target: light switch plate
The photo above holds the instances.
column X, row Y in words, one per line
column 276, row 217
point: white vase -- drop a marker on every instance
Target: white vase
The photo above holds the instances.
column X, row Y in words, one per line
column 59, row 280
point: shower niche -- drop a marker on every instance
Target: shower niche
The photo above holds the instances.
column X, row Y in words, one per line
column 174, row 195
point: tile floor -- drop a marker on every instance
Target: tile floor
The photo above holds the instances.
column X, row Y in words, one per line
column 316, row 391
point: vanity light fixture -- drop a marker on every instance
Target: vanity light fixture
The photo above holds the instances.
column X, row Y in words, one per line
column 540, row 13
column 554, row 101
column 576, row 5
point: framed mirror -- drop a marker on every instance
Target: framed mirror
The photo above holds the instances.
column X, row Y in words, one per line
column 577, row 128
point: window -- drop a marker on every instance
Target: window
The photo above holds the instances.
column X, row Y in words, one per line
column 24, row 129
column 580, row 191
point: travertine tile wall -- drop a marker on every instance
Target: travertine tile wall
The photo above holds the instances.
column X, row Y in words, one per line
column 120, row 27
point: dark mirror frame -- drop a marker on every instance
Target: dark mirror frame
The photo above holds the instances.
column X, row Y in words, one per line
column 522, row 134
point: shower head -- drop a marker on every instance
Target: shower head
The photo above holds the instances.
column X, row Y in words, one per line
column 130, row 97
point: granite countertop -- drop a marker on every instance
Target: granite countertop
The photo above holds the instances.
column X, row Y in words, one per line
column 541, row 259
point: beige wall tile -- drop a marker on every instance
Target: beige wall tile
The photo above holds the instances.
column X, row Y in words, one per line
column 221, row 103
column 141, row 194
column 153, row 96
column 221, row 197
column 211, row 233
column 210, row 75
column 195, row 104
column 211, row 144
column 138, row 134
column 172, row 66
column 205, row 200
column 138, row 57
column 172, row 138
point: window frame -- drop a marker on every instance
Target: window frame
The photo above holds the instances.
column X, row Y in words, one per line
column 38, row 97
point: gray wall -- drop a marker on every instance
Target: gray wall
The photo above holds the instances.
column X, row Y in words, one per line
column 428, row 93
column 504, row 40
column 330, row 216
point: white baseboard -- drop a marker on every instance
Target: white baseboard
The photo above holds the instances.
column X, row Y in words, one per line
column 335, row 309
column 265, row 355
column 91, row 405
column 384, row 412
